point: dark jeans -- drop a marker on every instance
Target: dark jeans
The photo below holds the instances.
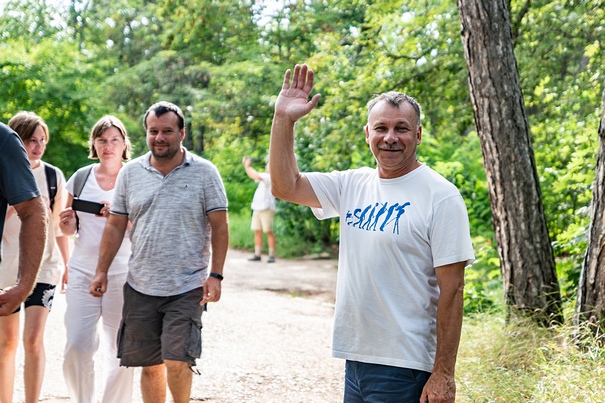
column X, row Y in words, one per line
column 375, row 383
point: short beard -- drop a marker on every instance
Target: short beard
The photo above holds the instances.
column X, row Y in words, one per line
column 166, row 156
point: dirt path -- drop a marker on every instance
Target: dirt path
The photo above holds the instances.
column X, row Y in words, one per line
column 267, row 340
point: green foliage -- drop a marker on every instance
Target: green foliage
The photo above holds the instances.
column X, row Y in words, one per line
column 242, row 237
column 223, row 63
column 483, row 285
column 53, row 80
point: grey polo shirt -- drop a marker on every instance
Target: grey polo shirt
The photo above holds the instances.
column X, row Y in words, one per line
column 170, row 232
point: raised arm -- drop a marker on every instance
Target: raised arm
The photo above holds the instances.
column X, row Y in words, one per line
column 33, row 233
column 251, row 172
column 292, row 104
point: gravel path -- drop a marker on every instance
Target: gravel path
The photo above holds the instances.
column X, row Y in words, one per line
column 267, row 340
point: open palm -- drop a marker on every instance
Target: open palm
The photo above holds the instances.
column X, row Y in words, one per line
column 293, row 100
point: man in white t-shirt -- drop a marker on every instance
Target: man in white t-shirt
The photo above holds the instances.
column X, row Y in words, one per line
column 404, row 244
column 263, row 211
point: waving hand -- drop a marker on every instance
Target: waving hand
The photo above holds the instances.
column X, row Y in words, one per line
column 293, row 100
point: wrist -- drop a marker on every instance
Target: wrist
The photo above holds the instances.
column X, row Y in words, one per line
column 217, row 276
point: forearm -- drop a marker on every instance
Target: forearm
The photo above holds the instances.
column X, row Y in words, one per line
column 63, row 244
column 113, row 235
column 33, row 233
column 219, row 243
column 252, row 173
column 449, row 316
column 284, row 169
column 449, row 327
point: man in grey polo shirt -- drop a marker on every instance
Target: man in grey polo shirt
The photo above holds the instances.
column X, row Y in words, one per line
column 177, row 206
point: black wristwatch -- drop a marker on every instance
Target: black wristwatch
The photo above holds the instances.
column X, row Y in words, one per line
column 216, row 275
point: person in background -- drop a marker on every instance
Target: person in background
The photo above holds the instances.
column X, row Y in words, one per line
column 263, row 211
column 34, row 134
column 109, row 144
column 177, row 205
column 404, row 244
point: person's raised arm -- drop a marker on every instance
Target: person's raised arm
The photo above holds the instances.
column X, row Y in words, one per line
column 291, row 105
column 251, row 172
column 219, row 242
column 32, row 238
column 441, row 386
column 113, row 235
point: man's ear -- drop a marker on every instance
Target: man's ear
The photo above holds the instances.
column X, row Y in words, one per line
column 419, row 135
column 367, row 129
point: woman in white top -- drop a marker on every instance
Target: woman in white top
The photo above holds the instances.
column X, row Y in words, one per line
column 34, row 133
column 109, row 144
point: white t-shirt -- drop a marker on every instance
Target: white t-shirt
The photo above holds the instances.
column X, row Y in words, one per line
column 52, row 262
column 88, row 239
column 263, row 198
column 393, row 233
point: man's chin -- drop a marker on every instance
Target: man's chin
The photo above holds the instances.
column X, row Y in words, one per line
column 162, row 156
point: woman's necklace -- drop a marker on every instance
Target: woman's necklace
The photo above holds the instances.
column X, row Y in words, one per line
column 109, row 187
column 106, row 182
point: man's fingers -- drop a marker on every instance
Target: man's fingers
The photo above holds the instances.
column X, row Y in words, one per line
column 286, row 84
column 296, row 76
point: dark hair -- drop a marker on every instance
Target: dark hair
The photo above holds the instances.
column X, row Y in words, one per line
column 26, row 123
column 99, row 128
column 395, row 99
column 163, row 107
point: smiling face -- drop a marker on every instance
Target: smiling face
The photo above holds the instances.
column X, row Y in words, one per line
column 164, row 136
column 110, row 145
column 36, row 145
column 393, row 133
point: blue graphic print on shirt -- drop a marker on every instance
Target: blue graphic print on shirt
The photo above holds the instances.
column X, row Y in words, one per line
column 379, row 215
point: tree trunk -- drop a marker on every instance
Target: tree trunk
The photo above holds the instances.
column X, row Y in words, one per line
column 526, row 258
column 591, row 290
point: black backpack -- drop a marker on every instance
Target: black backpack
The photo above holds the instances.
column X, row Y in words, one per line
column 51, row 182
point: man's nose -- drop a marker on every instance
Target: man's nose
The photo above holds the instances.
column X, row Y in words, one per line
column 390, row 136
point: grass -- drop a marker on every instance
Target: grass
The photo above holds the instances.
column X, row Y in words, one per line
column 242, row 237
column 521, row 362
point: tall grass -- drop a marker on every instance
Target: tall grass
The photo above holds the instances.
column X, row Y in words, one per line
column 522, row 362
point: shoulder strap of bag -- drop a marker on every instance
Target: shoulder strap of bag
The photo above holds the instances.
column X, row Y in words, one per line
column 80, row 180
column 51, row 182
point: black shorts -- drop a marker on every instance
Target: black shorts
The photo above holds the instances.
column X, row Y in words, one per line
column 155, row 329
column 42, row 295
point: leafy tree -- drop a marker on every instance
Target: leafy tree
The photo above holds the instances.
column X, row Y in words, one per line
column 53, row 80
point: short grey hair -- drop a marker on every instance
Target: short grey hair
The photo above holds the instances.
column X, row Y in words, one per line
column 395, row 99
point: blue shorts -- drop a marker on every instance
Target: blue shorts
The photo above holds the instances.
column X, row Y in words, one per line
column 42, row 295
column 154, row 329
column 374, row 383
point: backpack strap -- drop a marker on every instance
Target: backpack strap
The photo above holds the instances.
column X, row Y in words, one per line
column 51, row 182
column 80, row 179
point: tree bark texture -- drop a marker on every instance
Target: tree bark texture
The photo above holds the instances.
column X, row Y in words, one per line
column 590, row 306
column 526, row 257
